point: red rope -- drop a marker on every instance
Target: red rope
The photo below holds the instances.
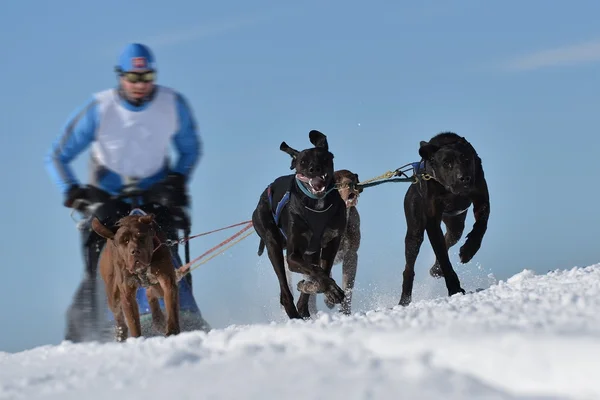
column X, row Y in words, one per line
column 223, row 243
column 181, row 241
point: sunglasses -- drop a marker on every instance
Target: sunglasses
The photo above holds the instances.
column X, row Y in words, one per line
column 135, row 77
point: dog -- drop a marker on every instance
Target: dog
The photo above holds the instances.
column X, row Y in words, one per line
column 135, row 256
column 456, row 182
column 347, row 184
column 304, row 214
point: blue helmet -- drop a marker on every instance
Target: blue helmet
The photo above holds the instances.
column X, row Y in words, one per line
column 136, row 57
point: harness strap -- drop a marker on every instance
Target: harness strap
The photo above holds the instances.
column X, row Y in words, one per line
column 280, row 205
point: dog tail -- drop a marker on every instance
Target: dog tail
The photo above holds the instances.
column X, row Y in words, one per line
column 261, row 247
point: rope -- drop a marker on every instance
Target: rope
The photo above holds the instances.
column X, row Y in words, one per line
column 222, row 252
column 395, row 176
column 188, row 265
column 187, row 239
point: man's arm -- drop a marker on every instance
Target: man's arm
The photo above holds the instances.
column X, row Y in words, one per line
column 187, row 140
column 78, row 133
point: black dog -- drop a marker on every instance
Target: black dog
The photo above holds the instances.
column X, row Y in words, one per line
column 305, row 214
column 456, row 181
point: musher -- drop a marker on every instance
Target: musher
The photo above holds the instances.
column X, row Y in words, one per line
column 128, row 130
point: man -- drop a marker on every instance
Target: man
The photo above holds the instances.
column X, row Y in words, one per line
column 128, row 130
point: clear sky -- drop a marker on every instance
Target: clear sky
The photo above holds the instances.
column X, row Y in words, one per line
column 519, row 79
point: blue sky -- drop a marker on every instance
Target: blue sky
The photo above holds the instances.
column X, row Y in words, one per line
column 518, row 79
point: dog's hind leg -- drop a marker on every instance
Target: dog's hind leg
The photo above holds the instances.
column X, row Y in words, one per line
column 274, row 245
column 415, row 232
column 269, row 234
column 412, row 245
column 286, row 298
column 454, row 229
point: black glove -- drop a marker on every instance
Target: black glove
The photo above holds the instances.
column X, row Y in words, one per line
column 175, row 182
column 171, row 192
column 74, row 193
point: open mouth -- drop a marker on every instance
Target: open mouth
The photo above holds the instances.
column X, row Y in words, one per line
column 138, row 266
column 352, row 199
column 316, row 185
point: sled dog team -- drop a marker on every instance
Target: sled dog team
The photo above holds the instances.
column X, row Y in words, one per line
column 310, row 219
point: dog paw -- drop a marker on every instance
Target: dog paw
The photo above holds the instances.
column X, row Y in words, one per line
column 334, row 293
column 467, row 251
column 121, row 334
column 436, row 271
column 452, row 292
column 159, row 324
column 308, row 287
column 405, row 300
column 345, row 309
column 329, row 304
column 172, row 331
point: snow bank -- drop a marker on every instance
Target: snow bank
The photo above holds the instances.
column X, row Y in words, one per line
column 531, row 337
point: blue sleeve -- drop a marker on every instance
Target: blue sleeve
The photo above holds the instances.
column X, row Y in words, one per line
column 78, row 133
column 187, row 140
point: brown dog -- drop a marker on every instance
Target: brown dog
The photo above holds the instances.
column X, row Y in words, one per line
column 132, row 257
column 347, row 184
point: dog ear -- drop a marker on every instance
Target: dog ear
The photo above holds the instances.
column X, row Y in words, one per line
column 102, row 230
column 427, row 150
column 146, row 219
column 359, row 188
column 292, row 152
column 318, row 139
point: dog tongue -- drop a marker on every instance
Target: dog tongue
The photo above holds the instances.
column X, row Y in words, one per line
column 318, row 184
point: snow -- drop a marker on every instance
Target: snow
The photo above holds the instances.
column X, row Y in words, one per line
column 530, row 337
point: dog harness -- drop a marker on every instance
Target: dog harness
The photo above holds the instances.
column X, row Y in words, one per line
column 279, row 193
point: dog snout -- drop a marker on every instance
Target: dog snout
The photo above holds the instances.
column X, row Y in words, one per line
column 314, row 169
column 464, row 178
column 135, row 252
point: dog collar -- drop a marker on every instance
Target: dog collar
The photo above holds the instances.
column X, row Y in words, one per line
column 309, row 193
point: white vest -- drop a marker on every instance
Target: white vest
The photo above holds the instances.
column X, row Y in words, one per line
column 134, row 143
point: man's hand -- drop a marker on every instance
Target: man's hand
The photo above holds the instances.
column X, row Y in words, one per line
column 74, row 193
column 174, row 183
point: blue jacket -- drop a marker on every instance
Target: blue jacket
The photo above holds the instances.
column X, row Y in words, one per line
column 125, row 139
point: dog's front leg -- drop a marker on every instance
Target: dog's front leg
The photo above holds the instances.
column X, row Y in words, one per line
column 171, row 296
column 131, row 311
column 481, row 211
column 414, row 212
column 158, row 318
column 350, row 261
column 438, row 243
column 332, row 291
column 121, row 331
column 349, row 267
column 307, row 303
column 297, row 244
column 454, row 230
